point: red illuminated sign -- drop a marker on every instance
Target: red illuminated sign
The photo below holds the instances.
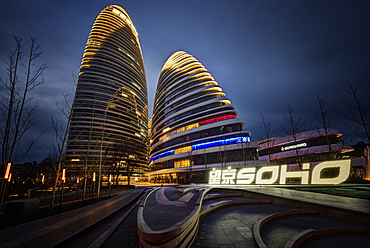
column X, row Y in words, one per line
column 217, row 119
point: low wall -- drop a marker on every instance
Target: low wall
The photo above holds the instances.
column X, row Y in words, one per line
column 21, row 208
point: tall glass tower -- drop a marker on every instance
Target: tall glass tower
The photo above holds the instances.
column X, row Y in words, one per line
column 109, row 119
column 194, row 125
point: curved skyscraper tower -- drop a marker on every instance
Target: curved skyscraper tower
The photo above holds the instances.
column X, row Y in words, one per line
column 194, row 125
column 109, row 119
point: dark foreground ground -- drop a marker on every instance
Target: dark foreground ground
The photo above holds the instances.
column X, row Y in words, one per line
column 361, row 192
column 71, row 201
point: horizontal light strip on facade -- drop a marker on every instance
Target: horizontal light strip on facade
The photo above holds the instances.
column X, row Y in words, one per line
column 217, row 119
column 204, row 145
column 202, row 123
column 166, row 153
column 223, row 142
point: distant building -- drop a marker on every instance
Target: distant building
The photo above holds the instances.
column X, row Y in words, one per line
column 310, row 146
column 194, row 125
column 25, row 170
column 109, row 121
column 32, row 170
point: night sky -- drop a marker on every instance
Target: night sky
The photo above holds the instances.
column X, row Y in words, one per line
column 265, row 55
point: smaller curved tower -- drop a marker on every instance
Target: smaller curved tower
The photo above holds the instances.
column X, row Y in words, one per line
column 194, row 124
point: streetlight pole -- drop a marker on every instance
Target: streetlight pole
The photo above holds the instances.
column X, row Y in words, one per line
column 6, row 177
column 61, row 193
column 101, row 149
column 109, row 183
column 205, row 163
column 93, row 186
column 101, row 158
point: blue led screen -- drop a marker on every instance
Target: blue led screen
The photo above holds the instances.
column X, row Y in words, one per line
column 166, row 153
column 223, row 142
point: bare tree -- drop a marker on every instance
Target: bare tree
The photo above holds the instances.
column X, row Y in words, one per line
column 266, row 133
column 16, row 110
column 295, row 126
column 360, row 118
column 131, row 161
column 126, row 160
column 324, row 119
column 61, row 133
column 115, row 171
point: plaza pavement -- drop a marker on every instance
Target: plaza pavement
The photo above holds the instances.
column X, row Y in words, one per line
column 164, row 212
column 167, row 208
column 234, row 226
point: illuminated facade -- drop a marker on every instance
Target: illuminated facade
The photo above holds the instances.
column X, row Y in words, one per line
column 194, row 124
column 109, row 120
column 310, row 146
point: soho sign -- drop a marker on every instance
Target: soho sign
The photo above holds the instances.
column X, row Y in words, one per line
column 280, row 174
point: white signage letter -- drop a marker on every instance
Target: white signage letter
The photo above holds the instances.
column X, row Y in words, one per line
column 344, row 170
column 284, row 174
column 275, row 173
column 214, row 176
column 228, row 176
column 246, row 175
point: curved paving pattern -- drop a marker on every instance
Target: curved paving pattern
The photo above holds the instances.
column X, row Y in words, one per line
column 257, row 227
column 169, row 217
column 239, row 220
column 178, row 217
column 310, row 234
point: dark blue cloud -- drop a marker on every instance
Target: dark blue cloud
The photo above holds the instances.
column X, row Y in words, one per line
column 266, row 55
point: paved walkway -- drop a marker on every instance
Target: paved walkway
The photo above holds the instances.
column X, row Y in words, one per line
column 233, row 226
column 353, row 204
column 227, row 227
column 50, row 231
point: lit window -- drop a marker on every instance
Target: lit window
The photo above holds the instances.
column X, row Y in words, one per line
column 182, row 163
column 183, row 149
